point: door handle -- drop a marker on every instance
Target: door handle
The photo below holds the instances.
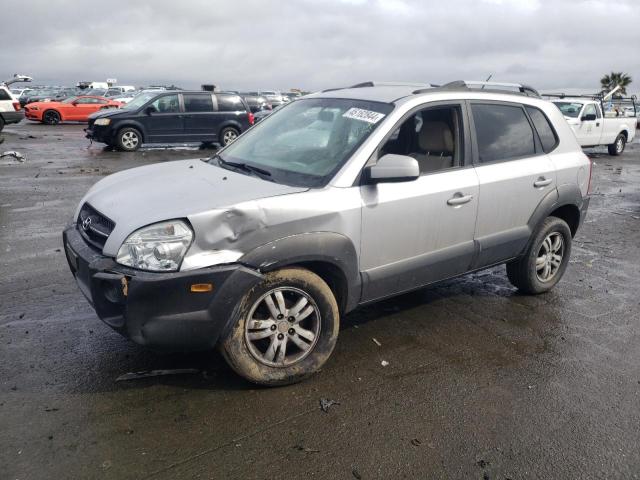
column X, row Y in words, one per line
column 459, row 199
column 542, row 182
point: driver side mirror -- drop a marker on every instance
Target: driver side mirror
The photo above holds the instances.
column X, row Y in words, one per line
column 588, row 117
column 149, row 110
column 393, row 168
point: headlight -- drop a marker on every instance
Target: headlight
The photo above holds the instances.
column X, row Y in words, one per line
column 159, row 247
column 102, row 121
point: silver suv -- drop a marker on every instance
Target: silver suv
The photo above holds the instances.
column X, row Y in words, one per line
column 339, row 199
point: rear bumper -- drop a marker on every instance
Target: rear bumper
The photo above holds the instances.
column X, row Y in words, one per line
column 158, row 310
column 12, row 117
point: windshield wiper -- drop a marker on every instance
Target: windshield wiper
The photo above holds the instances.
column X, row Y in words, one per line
column 243, row 166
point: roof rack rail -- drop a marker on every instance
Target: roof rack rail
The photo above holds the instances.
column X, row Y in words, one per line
column 384, row 84
column 514, row 88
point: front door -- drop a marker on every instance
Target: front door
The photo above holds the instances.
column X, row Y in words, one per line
column 417, row 232
column 589, row 131
column 162, row 119
column 81, row 108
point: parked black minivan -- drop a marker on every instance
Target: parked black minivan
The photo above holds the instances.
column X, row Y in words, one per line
column 172, row 117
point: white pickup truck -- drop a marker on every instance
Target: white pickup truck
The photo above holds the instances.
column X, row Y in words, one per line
column 593, row 128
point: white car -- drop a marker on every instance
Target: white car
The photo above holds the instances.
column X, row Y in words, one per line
column 593, row 128
column 10, row 110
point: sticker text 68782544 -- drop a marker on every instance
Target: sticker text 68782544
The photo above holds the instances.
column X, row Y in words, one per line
column 363, row 115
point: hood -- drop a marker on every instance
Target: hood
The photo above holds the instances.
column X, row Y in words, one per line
column 107, row 112
column 51, row 103
column 141, row 196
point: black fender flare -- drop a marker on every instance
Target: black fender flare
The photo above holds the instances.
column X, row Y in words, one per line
column 566, row 194
column 325, row 247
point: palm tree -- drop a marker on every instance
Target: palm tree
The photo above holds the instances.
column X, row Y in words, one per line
column 611, row 81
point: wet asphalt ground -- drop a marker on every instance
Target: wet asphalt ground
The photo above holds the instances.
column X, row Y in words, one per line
column 481, row 382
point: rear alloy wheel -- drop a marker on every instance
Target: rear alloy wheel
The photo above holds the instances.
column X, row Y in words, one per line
column 545, row 260
column 51, row 117
column 284, row 330
column 617, row 147
column 129, row 139
column 228, row 135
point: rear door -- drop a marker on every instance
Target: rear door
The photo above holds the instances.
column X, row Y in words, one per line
column 514, row 173
column 199, row 117
column 162, row 119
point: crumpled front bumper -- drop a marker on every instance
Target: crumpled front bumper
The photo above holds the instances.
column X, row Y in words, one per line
column 158, row 310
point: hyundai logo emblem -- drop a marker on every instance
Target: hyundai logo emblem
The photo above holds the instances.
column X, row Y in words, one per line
column 86, row 223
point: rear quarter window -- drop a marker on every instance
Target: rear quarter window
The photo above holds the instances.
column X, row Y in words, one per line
column 503, row 132
column 4, row 95
column 230, row 103
column 546, row 133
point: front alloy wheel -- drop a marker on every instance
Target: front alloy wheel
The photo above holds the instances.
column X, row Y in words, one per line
column 284, row 328
column 51, row 117
column 129, row 139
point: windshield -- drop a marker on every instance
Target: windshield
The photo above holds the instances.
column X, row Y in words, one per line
column 139, row 100
column 306, row 142
column 569, row 109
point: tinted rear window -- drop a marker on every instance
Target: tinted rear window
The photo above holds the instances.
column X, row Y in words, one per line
column 503, row 132
column 545, row 131
column 197, row 103
column 230, row 103
column 4, row 95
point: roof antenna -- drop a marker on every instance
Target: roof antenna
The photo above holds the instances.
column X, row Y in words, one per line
column 488, row 78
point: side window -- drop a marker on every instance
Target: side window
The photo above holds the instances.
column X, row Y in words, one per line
column 4, row 95
column 546, row 133
column 503, row 132
column 166, row 104
column 85, row 101
column 432, row 136
column 589, row 110
column 229, row 103
column 197, row 102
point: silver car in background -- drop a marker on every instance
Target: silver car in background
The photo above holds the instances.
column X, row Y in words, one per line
column 336, row 200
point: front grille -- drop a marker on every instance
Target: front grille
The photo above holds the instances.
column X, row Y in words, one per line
column 94, row 227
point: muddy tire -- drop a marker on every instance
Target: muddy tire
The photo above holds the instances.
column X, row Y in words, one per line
column 1, row 123
column 617, row 147
column 545, row 260
column 228, row 135
column 51, row 117
column 284, row 329
column 128, row 139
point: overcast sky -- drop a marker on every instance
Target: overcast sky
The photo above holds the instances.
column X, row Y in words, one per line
column 314, row 44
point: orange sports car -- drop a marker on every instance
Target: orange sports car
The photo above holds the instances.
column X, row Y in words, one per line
column 75, row 109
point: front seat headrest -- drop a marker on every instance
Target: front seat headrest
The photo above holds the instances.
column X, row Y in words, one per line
column 436, row 137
